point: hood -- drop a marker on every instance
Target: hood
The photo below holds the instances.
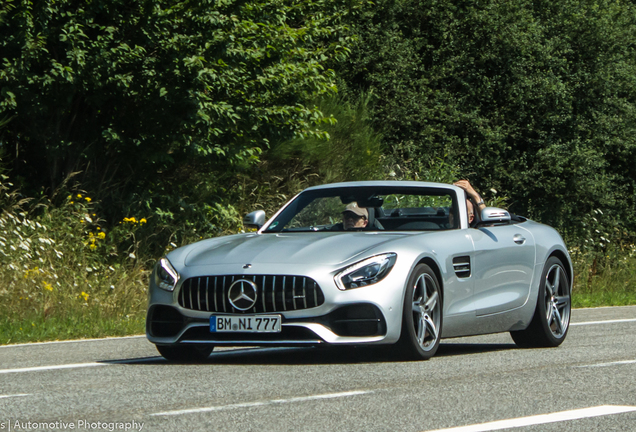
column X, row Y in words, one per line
column 291, row 248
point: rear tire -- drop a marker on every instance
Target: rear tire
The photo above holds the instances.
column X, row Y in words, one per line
column 551, row 319
column 185, row 353
column 422, row 315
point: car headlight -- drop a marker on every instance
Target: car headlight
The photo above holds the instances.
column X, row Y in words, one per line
column 166, row 277
column 366, row 272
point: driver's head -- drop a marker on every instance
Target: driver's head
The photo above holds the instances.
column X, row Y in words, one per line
column 354, row 216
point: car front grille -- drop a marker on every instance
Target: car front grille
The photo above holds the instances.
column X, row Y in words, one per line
column 273, row 293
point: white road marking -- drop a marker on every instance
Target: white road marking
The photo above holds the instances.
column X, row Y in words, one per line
column 263, row 403
column 604, row 322
column 72, row 341
column 542, row 419
column 54, row 367
column 15, row 395
column 621, row 362
column 137, row 360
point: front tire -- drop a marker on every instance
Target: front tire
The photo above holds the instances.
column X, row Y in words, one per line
column 422, row 315
column 551, row 319
column 185, row 353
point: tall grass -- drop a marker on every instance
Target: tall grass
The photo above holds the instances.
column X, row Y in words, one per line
column 62, row 275
column 607, row 279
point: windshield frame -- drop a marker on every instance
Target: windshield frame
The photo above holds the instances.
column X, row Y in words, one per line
column 353, row 193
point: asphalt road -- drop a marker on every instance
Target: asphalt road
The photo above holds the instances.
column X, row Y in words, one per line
column 587, row 384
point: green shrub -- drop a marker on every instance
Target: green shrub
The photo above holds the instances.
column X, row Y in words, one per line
column 532, row 98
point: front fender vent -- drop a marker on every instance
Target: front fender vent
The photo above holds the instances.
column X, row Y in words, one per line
column 461, row 265
column 275, row 293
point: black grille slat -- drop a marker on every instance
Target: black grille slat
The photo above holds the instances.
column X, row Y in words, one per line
column 282, row 299
column 263, row 286
column 223, row 295
column 276, row 293
column 190, row 295
column 199, row 293
column 207, row 294
column 229, row 305
column 216, row 307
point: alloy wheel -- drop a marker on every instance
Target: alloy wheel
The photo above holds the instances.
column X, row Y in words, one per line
column 426, row 311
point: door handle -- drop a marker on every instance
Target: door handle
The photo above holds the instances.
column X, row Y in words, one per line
column 519, row 239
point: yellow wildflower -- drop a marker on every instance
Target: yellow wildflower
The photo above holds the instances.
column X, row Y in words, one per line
column 87, row 199
column 84, row 296
column 101, row 235
column 92, row 246
column 143, row 220
column 79, row 195
column 47, row 286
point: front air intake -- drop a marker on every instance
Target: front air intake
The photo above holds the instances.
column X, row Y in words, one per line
column 164, row 321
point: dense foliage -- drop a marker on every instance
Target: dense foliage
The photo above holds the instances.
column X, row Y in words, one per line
column 164, row 108
column 534, row 98
column 140, row 97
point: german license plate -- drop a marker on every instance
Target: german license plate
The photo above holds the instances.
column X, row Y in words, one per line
column 245, row 324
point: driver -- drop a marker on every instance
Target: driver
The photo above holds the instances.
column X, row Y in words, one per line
column 354, row 217
column 472, row 197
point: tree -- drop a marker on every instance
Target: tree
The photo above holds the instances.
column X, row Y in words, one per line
column 132, row 93
column 536, row 99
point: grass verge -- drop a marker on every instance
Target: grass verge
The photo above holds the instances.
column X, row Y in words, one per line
column 90, row 324
column 610, row 283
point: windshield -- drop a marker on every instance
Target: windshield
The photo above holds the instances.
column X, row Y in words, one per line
column 369, row 209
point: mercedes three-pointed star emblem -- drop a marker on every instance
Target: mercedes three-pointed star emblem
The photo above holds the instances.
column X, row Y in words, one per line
column 242, row 294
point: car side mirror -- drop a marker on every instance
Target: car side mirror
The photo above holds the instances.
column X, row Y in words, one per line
column 256, row 219
column 491, row 215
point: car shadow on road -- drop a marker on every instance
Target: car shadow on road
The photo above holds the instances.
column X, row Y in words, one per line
column 319, row 355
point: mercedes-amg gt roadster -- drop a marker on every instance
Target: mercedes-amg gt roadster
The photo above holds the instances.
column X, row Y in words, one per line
column 366, row 263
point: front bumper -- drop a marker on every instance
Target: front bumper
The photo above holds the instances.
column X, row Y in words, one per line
column 350, row 324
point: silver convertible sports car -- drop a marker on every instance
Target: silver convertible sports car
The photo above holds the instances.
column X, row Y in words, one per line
column 364, row 263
